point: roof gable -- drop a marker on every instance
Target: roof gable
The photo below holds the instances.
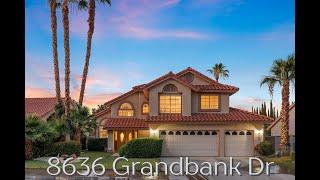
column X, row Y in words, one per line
column 166, row 77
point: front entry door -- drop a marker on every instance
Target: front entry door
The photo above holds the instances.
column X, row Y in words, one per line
column 122, row 137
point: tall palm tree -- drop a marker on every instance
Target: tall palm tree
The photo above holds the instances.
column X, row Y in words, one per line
column 53, row 8
column 65, row 21
column 91, row 19
column 282, row 73
column 219, row 70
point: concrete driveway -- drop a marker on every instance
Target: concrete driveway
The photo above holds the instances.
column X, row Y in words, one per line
column 243, row 170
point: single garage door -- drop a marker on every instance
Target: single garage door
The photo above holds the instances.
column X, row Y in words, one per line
column 239, row 143
column 190, row 143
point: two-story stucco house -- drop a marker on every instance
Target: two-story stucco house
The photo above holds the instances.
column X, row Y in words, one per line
column 189, row 110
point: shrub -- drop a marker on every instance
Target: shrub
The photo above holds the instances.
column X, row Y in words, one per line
column 264, row 148
column 28, row 149
column 142, row 148
column 123, row 150
column 97, row 144
column 40, row 149
column 71, row 147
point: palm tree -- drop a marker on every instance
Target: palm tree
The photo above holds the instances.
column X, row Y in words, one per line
column 53, row 9
column 65, row 21
column 282, row 73
column 91, row 19
column 82, row 122
column 219, row 70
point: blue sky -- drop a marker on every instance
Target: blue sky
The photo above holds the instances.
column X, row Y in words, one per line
column 136, row 41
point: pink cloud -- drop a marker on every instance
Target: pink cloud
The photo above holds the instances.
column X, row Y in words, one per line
column 38, row 92
column 93, row 101
column 145, row 33
column 131, row 18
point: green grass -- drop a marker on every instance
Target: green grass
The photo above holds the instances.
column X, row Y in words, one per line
column 106, row 161
column 286, row 163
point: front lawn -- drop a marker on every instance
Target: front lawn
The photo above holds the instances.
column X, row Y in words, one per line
column 106, row 161
column 286, row 163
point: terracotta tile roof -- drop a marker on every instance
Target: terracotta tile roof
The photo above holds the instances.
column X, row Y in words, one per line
column 121, row 96
column 212, row 87
column 125, row 123
column 39, row 106
column 102, row 112
column 235, row 115
column 217, row 87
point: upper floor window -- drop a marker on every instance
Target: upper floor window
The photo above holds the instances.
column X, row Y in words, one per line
column 170, row 103
column 126, row 109
column 209, row 102
column 170, row 88
column 145, row 108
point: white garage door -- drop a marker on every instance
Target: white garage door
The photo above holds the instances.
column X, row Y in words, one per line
column 190, row 143
column 239, row 143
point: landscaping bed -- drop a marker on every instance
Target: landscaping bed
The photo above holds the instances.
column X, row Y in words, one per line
column 286, row 164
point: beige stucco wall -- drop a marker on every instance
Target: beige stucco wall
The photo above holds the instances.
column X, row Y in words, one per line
column 224, row 98
column 136, row 99
column 256, row 127
column 198, row 81
column 275, row 131
column 154, row 97
column 100, row 122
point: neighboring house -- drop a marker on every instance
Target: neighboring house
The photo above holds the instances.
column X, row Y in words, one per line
column 41, row 107
column 189, row 110
column 275, row 128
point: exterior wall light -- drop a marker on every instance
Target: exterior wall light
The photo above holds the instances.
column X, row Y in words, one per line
column 154, row 133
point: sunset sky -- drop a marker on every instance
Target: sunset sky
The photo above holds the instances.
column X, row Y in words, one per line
column 136, row 41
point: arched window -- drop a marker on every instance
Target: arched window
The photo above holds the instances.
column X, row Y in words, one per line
column 170, row 133
column 206, row 133
column 170, row 88
column 192, row 133
column 178, row 133
column 249, row 133
column 214, row 133
column 227, row 133
column 241, row 133
column 126, row 109
column 163, row 133
column 145, row 108
column 234, row 133
column 185, row 133
column 199, row 133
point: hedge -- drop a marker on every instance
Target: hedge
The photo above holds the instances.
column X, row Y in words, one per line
column 142, row 148
column 71, row 147
column 97, row 144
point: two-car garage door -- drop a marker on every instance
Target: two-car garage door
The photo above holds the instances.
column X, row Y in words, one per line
column 190, row 143
column 206, row 143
